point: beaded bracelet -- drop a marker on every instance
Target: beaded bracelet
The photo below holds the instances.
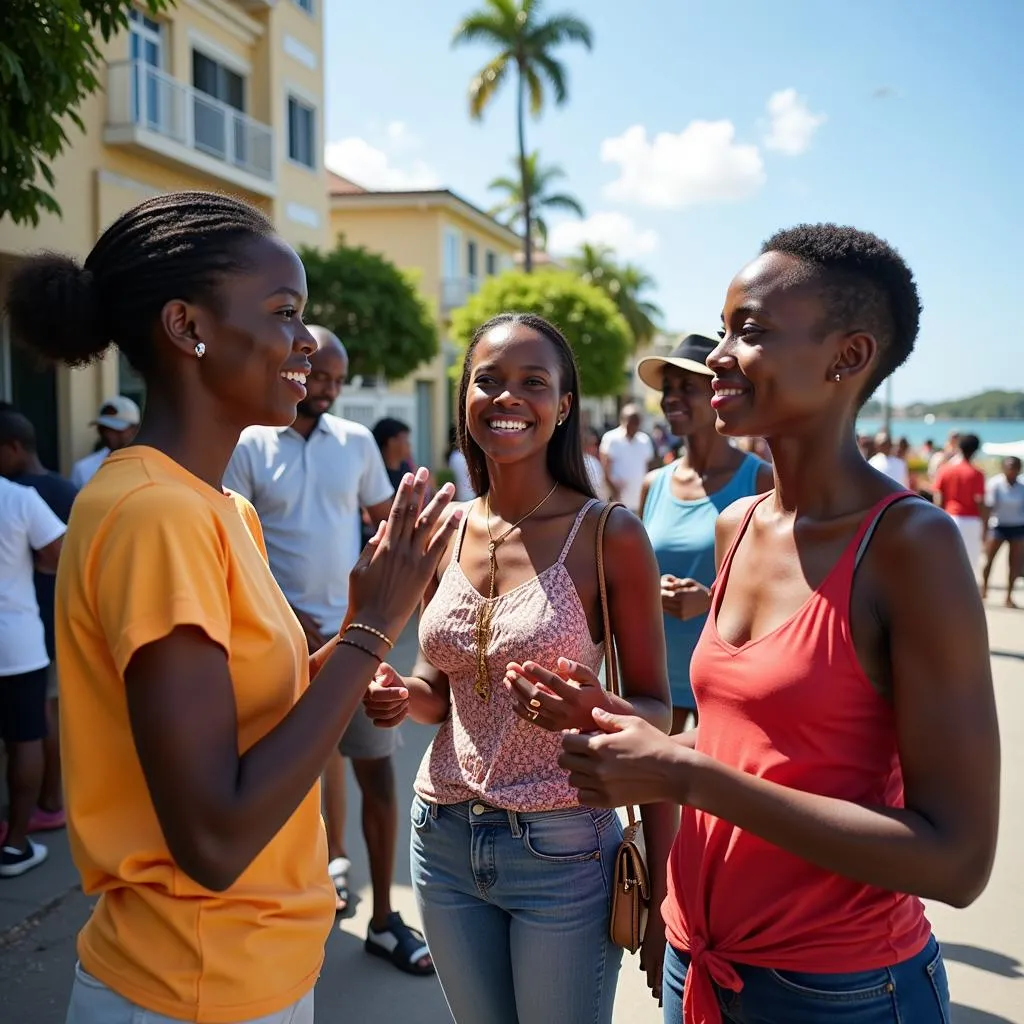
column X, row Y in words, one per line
column 360, row 647
column 373, row 632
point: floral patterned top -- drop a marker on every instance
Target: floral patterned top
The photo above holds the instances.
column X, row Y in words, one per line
column 484, row 750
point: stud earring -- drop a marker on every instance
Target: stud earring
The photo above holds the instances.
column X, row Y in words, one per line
column 200, row 349
column 560, row 422
column 837, row 378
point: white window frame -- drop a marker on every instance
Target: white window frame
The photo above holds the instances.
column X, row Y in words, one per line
column 301, row 100
column 451, row 240
column 138, row 27
column 223, row 56
column 217, row 56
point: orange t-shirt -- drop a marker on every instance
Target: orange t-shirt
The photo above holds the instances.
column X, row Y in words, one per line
column 149, row 548
column 962, row 486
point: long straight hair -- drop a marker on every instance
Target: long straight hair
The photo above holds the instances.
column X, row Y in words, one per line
column 565, row 449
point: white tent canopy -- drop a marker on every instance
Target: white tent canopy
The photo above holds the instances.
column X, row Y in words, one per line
column 1004, row 449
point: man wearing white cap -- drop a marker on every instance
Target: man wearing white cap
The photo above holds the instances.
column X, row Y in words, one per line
column 117, row 423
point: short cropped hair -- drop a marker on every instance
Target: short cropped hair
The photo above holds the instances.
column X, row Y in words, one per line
column 866, row 284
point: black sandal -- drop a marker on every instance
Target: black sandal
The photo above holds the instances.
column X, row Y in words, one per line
column 405, row 947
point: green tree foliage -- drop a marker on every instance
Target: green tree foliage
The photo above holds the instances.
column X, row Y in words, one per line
column 510, row 210
column 525, row 42
column 586, row 316
column 625, row 284
column 49, row 63
column 375, row 309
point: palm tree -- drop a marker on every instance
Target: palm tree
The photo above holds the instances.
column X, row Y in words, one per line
column 526, row 42
column 538, row 178
column 624, row 284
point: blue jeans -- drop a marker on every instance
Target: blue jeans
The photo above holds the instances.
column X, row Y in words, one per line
column 913, row 992
column 515, row 908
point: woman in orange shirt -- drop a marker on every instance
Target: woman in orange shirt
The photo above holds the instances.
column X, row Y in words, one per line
column 193, row 738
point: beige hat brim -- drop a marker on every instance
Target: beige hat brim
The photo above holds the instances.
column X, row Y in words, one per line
column 651, row 369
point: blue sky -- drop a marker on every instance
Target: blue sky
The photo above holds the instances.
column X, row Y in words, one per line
column 695, row 128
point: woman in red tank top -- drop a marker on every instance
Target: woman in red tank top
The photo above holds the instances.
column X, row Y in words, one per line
column 847, row 759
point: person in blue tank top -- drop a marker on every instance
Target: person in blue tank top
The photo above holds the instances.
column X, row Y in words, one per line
column 681, row 503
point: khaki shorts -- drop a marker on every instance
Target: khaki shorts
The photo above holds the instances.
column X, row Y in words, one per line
column 364, row 741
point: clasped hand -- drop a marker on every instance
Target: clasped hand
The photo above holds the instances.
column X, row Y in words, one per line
column 387, row 698
column 555, row 701
column 684, row 598
column 623, row 759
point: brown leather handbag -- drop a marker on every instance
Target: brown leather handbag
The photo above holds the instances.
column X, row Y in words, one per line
column 631, row 888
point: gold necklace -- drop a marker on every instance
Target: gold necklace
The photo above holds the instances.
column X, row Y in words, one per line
column 486, row 613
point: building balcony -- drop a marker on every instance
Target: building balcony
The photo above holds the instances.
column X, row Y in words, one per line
column 455, row 292
column 151, row 112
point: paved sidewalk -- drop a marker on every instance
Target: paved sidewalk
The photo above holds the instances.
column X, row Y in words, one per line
column 984, row 945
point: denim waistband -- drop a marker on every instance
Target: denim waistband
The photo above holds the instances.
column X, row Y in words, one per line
column 479, row 812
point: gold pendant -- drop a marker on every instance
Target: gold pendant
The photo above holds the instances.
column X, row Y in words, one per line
column 483, row 642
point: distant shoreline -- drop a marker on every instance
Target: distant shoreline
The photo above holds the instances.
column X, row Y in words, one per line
column 944, row 418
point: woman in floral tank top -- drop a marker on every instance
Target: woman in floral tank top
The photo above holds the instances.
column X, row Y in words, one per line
column 512, row 874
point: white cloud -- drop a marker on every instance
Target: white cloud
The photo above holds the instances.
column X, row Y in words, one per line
column 400, row 136
column 603, row 228
column 701, row 164
column 792, row 125
column 375, row 168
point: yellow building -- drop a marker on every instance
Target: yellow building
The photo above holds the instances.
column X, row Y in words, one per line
column 224, row 95
column 453, row 246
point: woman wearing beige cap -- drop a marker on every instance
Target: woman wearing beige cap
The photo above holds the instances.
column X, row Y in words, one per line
column 681, row 502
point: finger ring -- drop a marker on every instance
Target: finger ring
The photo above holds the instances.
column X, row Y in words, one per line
column 533, row 716
column 534, row 703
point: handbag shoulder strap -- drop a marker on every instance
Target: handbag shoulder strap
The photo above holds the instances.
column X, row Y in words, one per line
column 611, row 660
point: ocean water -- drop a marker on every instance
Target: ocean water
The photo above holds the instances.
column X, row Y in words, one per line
column 918, row 431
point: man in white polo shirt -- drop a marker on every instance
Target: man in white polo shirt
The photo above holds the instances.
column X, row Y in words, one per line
column 117, row 423
column 309, row 483
column 626, row 454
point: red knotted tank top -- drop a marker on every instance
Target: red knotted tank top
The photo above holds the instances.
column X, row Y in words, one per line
column 793, row 707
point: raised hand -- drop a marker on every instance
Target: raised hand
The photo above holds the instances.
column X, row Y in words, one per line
column 684, row 598
column 628, row 761
column 387, row 699
column 388, row 581
column 555, row 701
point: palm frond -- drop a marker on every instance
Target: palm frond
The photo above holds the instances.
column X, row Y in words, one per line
column 507, row 184
column 540, row 229
column 562, row 28
column 486, row 84
column 555, row 73
column 564, row 201
column 536, row 90
column 543, row 177
column 482, row 27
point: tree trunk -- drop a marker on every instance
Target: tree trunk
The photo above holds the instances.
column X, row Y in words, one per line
column 524, row 177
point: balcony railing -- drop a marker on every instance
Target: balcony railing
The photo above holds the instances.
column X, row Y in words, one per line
column 455, row 292
column 142, row 96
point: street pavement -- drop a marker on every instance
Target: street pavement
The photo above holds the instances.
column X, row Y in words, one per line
column 41, row 913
